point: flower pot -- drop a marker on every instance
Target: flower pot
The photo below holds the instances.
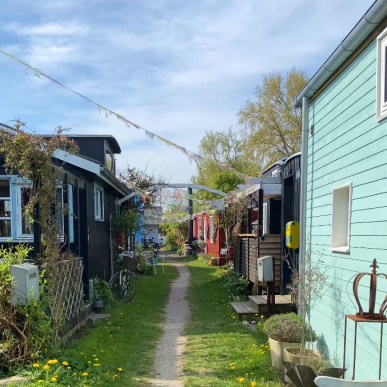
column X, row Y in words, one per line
column 276, row 351
column 213, row 262
column 294, row 358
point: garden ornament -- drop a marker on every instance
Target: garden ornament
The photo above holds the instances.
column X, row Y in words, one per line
column 370, row 315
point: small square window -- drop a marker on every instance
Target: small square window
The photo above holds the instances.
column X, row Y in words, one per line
column 341, row 218
column 381, row 76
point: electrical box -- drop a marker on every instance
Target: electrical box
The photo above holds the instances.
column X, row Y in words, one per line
column 25, row 283
column 293, row 235
column 265, row 269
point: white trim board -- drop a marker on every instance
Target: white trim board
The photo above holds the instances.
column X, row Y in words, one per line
column 77, row 161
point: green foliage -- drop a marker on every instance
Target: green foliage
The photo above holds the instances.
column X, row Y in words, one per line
column 127, row 222
column 317, row 364
column 171, row 238
column 272, row 125
column 26, row 329
column 236, row 285
column 205, row 258
column 288, row 328
column 101, row 288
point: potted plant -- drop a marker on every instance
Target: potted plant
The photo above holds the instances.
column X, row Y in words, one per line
column 285, row 330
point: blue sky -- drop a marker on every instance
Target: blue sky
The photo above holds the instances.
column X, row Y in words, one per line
column 177, row 68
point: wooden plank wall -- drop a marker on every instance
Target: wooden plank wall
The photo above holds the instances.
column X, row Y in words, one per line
column 272, row 246
column 249, row 254
column 349, row 146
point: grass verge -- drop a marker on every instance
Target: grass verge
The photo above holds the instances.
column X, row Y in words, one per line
column 221, row 352
column 120, row 351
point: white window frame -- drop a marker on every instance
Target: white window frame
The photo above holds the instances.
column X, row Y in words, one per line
column 264, row 219
column 344, row 248
column 381, row 105
column 19, row 214
column 98, row 189
column 205, row 229
column 2, row 239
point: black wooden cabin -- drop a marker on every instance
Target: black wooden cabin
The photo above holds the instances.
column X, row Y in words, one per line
column 90, row 189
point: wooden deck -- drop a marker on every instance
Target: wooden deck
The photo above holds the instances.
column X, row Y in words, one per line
column 258, row 304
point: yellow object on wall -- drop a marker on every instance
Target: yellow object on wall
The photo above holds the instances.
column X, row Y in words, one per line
column 293, row 235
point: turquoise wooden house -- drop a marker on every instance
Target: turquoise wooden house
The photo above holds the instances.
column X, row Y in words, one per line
column 344, row 187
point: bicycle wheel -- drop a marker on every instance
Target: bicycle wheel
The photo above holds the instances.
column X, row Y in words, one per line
column 125, row 289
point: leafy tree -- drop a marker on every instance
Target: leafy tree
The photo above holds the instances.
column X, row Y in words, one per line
column 272, row 126
column 225, row 147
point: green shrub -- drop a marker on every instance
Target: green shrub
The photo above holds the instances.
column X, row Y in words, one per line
column 171, row 238
column 236, row 285
column 206, row 258
column 101, row 288
column 287, row 328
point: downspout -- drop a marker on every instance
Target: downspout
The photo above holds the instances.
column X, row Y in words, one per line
column 303, row 193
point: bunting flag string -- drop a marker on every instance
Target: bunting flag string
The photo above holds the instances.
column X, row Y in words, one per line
column 191, row 155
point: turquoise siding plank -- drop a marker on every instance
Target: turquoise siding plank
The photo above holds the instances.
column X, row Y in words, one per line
column 348, row 146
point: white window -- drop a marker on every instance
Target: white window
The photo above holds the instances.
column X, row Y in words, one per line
column 264, row 219
column 381, row 78
column 200, row 228
column 5, row 209
column 211, row 228
column 205, row 228
column 276, row 173
column 25, row 226
column 98, row 202
column 341, row 217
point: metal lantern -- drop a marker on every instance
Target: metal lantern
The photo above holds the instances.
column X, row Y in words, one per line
column 370, row 315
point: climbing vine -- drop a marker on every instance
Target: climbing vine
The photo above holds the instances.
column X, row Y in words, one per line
column 30, row 156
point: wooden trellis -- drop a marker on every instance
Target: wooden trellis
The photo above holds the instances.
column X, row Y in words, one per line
column 68, row 300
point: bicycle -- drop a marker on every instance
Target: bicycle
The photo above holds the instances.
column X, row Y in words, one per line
column 123, row 284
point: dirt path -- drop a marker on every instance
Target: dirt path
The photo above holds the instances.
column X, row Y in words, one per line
column 170, row 348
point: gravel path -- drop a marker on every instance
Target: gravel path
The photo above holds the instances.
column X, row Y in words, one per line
column 169, row 351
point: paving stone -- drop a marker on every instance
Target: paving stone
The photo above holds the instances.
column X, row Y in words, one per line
column 17, row 380
column 97, row 318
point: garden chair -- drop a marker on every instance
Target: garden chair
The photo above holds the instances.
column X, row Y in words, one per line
column 150, row 261
column 326, row 381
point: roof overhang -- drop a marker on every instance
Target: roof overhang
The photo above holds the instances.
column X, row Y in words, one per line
column 370, row 20
column 78, row 161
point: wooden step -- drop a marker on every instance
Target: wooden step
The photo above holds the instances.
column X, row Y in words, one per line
column 282, row 303
column 243, row 309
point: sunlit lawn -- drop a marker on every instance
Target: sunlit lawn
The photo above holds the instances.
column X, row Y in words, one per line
column 221, row 352
column 128, row 339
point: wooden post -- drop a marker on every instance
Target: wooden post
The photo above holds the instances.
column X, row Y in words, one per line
column 190, row 212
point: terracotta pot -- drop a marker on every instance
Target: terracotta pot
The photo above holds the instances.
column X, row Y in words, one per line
column 292, row 358
column 276, row 351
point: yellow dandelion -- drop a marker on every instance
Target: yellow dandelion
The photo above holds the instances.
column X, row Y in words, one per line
column 261, row 316
column 46, row 367
column 53, row 379
column 40, row 381
column 53, row 361
column 85, row 374
column 119, row 369
column 96, row 365
column 253, row 384
column 96, row 359
column 36, row 365
column 69, row 368
column 65, row 363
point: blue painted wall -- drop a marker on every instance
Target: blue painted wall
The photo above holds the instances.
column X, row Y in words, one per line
column 349, row 146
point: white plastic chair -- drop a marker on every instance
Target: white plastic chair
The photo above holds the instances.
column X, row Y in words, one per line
column 327, row 381
column 150, row 260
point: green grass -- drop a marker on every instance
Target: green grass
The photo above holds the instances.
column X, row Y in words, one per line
column 128, row 339
column 220, row 350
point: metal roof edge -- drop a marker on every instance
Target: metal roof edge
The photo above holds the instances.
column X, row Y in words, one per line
column 369, row 21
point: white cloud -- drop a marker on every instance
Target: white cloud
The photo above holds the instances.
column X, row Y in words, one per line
column 176, row 67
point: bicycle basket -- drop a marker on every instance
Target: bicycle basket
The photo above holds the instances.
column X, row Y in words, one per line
column 129, row 263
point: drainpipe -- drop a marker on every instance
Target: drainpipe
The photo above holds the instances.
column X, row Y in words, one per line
column 304, row 173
